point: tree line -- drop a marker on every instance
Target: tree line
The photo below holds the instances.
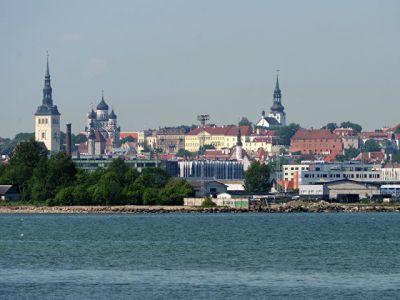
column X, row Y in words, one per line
column 56, row 180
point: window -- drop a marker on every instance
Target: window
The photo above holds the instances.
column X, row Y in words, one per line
column 43, row 136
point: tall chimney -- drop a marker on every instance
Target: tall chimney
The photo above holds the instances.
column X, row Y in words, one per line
column 68, row 148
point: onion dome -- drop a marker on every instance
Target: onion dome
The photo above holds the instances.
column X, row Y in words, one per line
column 92, row 115
column 102, row 105
column 112, row 115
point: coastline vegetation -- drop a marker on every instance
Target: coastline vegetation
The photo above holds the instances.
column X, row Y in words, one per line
column 55, row 180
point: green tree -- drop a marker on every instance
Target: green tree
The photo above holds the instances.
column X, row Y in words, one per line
column 108, row 191
column 257, row 178
column 184, row 153
column 65, row 196
column 24, row 136
column 174, row 192
column 153, row 178
column 245, row 122
column 52, row 175
column 396, row 157
column 372, row 146
column 130, row 176
column 119, row 168
column 128, row 139
column 26, row 156
column 284, row 134
column 203, row 149
column 349, row 124
column 397, row 130
column 330, row 126
column 150, row 196
column 351, row 153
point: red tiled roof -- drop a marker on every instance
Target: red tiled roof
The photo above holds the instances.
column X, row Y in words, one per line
column 133, row 134
column 369, row 135
column 305, row 134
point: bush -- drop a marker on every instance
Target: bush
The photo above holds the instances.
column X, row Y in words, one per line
column 207, row 202
column 150, row 196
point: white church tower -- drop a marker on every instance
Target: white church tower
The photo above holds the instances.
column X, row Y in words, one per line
column 47, row 118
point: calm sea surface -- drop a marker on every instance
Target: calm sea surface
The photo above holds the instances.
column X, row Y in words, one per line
column 197, row 256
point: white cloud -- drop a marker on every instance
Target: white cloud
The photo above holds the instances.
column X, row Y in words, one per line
column 94, row 67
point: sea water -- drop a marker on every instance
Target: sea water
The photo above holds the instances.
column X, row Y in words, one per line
column 198, row 256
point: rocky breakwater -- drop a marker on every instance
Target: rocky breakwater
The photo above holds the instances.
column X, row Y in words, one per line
column 290, row 207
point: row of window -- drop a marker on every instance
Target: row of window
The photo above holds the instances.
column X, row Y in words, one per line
column 338, row 175
column 45, row 121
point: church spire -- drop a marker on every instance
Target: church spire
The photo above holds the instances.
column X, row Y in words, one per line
column 47, row 90
column 277, row 82
column 277, row 105
column 239, row 137
column 47, row 65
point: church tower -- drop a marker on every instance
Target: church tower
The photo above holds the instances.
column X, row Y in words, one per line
column 47, row 117
column 277, row 109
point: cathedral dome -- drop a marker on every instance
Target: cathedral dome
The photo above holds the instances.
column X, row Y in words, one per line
column 102, row 105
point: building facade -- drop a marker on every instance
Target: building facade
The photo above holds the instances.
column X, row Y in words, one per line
column 47, row 118
column 170, row 139
column 319, row 142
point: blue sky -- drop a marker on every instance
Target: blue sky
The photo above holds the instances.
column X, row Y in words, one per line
column 160, row 63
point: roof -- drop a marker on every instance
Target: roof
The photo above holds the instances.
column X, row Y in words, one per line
column 112, row 115
column 92, row 115
column 306, row 134
column 45, row 110
column 102, row 105
column 267, row 122
column 126, row 134
column 7, row 188
column 230, row 130
column 369, row 135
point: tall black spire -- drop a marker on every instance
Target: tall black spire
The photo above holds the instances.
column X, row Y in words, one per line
column 47, row 90
column 277, row 105
column 239, row 137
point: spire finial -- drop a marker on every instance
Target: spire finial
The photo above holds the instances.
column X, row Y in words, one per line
column 102, row 94
column 47, row 64
column 277, row 80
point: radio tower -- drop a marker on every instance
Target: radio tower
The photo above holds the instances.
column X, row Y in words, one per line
column 203, row 119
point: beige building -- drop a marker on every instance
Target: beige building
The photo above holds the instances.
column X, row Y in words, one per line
column 226, row 137
column 290, row 172
column 47, row 118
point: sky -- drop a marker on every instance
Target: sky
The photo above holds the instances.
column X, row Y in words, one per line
column 162, row 63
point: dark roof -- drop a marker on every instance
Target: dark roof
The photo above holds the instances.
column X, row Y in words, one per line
column 44, row 110
column 277, row 107
column 7, row 189
column 92, row 115
column 102, row 105
column 112, row 115
column 272, row 121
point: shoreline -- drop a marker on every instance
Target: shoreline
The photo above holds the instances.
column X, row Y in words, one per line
column 291, row 207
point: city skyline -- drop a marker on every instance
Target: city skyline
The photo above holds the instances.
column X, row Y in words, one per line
column 162, row 64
